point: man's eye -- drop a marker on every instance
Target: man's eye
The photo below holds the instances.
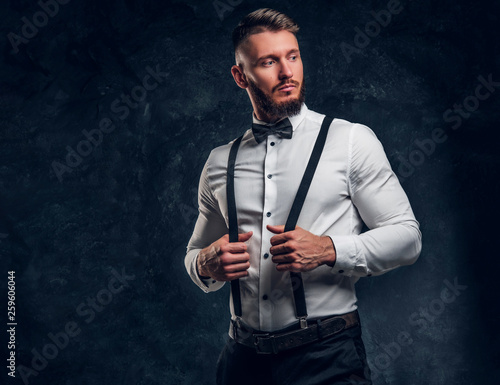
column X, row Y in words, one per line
column 293, row 57
column 268, row 63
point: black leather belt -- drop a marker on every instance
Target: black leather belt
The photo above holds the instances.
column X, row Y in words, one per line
column 272, row 343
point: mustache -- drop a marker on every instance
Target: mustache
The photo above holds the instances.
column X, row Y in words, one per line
column 287, row 83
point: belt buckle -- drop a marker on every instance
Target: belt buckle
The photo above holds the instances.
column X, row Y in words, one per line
column 256, row 341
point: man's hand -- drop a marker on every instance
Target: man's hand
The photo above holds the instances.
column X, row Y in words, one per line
column 225, row 261
column 299, row 250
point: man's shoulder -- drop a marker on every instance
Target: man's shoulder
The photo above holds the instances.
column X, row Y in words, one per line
column 341, row 126
column 358, row 129
column 219, row 155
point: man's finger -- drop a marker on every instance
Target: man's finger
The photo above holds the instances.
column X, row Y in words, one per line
column 280, row 238
column 237, row 267
column 295, row 267
column 245, row 236
column 284, row 267
column 280, row 246
column 236, row 247
column 276, row 229
column 282, row 258
column 228, row 259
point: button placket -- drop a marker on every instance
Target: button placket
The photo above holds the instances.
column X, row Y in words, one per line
column 266, row 265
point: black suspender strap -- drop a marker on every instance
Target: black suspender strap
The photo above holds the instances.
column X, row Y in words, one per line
column 296, row 278
column 233, row 219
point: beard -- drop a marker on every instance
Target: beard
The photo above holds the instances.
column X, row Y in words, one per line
column 276, row 110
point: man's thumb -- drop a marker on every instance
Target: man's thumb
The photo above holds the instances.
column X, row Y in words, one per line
column 276, row 229
column 245, row 236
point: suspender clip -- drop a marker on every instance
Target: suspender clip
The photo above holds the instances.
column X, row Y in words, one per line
column 236, row 327
column 303, row 322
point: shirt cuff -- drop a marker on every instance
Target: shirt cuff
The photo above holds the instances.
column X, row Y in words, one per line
column 208, row 284
column 346, row 255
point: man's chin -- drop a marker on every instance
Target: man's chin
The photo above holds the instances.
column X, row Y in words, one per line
column 282, row 102
column 292, row 97
column 276, row 106
column 288, row 108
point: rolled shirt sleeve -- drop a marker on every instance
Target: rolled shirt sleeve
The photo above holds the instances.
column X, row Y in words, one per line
column 209, row 227
column 394, row 238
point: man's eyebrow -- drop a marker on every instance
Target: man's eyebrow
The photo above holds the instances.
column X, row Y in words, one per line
column 272, row 55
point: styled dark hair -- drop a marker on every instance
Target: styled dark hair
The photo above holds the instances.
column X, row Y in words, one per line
column 264, row 19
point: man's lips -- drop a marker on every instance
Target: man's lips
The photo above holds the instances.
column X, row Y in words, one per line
column 287, row 87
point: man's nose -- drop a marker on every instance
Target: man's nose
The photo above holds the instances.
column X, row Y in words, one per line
column 285, row 70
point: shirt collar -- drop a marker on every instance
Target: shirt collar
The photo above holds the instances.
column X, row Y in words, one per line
column 295, row 120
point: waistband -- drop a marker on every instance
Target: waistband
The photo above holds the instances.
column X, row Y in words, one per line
column 281, row 340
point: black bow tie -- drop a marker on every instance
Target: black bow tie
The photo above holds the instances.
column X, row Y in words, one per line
column 283, row 129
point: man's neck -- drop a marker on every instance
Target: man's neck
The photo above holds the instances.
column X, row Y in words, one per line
column 266, row 118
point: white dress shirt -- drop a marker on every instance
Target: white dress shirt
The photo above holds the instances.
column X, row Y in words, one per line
column 353, row 183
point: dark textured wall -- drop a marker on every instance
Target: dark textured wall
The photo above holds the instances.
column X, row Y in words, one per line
column 76, row 213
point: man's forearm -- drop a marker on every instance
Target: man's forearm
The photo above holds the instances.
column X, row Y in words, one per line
column 378, row 250
column 202, row 272
column 330, row 252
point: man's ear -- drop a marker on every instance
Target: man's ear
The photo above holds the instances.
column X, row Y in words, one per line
column 239, row 76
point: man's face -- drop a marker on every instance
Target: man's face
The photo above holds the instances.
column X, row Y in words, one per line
column 270, row 68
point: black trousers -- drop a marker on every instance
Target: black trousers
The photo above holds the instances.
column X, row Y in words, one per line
column 338, row 359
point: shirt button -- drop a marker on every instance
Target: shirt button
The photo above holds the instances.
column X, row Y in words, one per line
column 341, row 271
column 369, row 274
column 264, row 297
column 272, row 143
column 268, row 214
column 269, row 176
column 266, row 255
column 213, row 281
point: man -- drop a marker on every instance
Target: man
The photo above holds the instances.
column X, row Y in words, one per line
column 293, row 304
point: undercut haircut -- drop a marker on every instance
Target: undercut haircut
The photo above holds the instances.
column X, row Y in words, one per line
column 261, row 20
